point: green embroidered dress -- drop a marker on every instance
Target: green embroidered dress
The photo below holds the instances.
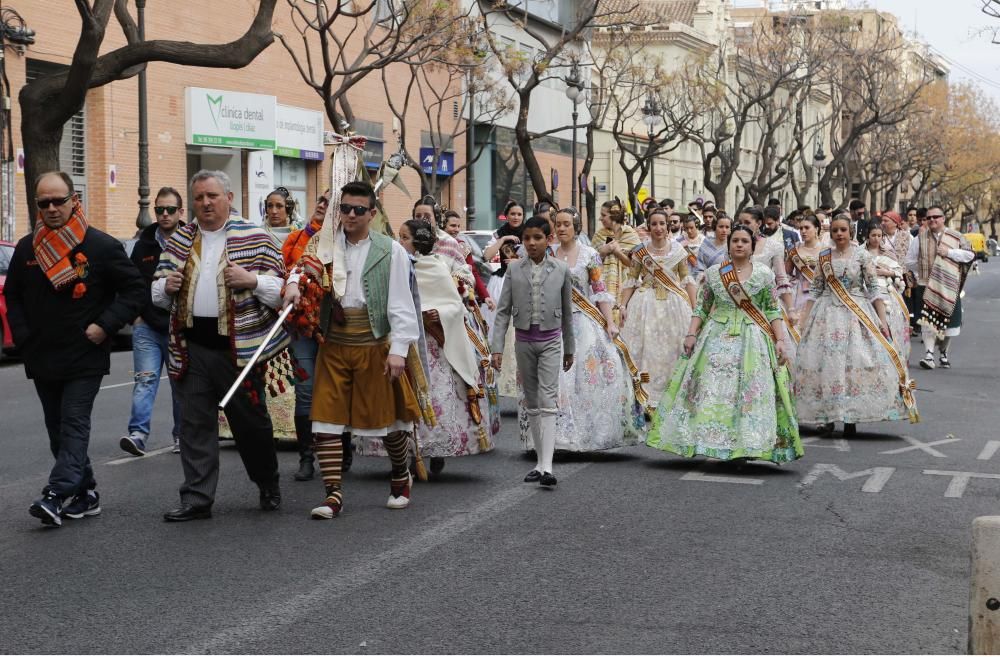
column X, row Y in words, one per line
column 730, row 399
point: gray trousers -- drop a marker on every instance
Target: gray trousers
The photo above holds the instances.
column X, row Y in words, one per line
column 210, row 373
column 539, row 364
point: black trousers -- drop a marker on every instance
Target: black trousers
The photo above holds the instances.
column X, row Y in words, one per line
column 67, row 405
column 209, row 375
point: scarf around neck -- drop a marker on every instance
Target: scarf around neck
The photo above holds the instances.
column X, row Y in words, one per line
column 53, row 246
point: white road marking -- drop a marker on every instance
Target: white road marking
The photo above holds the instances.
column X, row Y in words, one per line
column 877, row 477
column 122, row 385
column 132, row 459
column 927, row 448
column 989, row 450
column 959, row 480
column 698, row 475
column 276, row 615
column 838, row 444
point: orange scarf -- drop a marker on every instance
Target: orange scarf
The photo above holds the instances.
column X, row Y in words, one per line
column 295, row 245
column 53, row 247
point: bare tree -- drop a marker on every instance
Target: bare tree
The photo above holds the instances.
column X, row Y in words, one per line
column 872, row 83
column 341, row 43
column 554, row 55
column 49, row 101
column 450, row 95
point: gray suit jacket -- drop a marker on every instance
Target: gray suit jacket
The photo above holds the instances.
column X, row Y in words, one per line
column 515, row 302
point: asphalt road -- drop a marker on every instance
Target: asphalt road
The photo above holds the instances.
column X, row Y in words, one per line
column 860, row 547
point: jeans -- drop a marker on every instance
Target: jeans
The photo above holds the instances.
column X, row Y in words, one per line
column 67, row 406
column 304, row 350
column 149, row 354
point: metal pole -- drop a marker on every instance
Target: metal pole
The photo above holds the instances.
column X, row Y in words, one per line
column 652, row 167
column 470, row 173
column 574, row 200
column 143, row 219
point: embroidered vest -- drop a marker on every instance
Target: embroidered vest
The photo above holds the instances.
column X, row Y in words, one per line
column 375, row 281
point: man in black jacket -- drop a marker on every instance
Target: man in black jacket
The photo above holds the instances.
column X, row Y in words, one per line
column 69, row 289
column 149, row 333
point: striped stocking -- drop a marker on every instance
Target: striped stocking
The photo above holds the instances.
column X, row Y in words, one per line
column 398, row 448
column 330, row 453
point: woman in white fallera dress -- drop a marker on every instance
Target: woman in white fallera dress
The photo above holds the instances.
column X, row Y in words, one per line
column 889, row 275
column 656, row 317
column 800, row 263
column 597, row 407
column 842, row 372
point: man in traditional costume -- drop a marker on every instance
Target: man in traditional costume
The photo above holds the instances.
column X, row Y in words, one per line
column 368, row 321
column 939, row 260
column 221, row 279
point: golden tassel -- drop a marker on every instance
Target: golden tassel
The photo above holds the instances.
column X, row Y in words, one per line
column 421, row 469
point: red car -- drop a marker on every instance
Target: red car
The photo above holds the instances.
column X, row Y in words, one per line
column 6, row 251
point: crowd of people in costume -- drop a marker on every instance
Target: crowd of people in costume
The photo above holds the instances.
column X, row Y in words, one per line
column 696, row 333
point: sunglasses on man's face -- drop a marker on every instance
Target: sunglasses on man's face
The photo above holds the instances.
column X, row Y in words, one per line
column 935, row 216
column 359, row 210
column 44, row 203
column 165, row 209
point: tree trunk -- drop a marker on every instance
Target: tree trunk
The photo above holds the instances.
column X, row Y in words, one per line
column 41, row 155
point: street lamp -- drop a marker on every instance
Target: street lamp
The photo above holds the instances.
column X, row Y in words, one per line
column 651, row 117
column 143, row 219
column 820, row 160
column 574, row 87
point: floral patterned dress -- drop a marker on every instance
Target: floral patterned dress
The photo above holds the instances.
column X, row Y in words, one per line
column 897, row 315
column 657, row 318
column 730, row 399
column 843, row 373
column 614, row 272
column 597, row 407
column 799, row 281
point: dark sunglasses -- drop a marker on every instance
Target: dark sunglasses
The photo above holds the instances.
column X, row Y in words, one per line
column 359, row 210
column 165, row 209
column 44, row 203
column 322, row 200
column 935, row 216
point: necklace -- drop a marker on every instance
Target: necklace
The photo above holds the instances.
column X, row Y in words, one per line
column 564, row 254
column 659, row 251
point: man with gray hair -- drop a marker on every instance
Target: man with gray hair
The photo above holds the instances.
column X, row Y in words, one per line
column 221, row 279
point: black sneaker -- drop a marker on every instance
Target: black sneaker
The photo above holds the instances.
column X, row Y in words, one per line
column 548, row 479
column 47, row 509
column 945, row 363
column 83, row 505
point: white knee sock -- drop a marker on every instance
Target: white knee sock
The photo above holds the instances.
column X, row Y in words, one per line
column 929, row 339
column 535, row 426
column 944, row 345
column 548, row 431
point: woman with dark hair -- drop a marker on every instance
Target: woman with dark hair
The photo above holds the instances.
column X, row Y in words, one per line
column 713, row 250
column 280, row 218
column 506, row 242
column 847, row 368
column 889, row 275
column 614, row 240
column 427, row 211
column 657, row 297
column 729, row 396
column 801, row 261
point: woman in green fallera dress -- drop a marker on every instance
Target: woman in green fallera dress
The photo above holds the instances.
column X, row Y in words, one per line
column 730, row 395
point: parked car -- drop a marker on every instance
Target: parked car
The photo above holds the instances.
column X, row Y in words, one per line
column 7, row 342
column 481, row 238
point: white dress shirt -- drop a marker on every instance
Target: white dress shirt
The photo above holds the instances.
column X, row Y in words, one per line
column 206, row 294
column 402, row 313
column 913, row 254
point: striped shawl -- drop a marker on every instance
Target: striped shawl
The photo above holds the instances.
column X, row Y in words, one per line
column 945, row 278
column 242, row 316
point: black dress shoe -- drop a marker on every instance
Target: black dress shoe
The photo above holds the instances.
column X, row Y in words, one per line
column 548, row 479
column 270, row 497
column 532, row 476
column 187, row 512
column 850, row 430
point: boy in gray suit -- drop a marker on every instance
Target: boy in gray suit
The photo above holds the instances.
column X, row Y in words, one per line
column 538, row 295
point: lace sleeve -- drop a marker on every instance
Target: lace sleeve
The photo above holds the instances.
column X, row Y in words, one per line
column 632, row 274
column 868, row 277
column 598, row 290
column 706, row 298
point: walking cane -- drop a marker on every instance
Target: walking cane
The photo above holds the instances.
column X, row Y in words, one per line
column 256, row 356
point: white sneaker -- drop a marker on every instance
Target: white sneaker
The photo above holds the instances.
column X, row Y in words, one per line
column 928, row 362
column 176, row 449
column 402, row 500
